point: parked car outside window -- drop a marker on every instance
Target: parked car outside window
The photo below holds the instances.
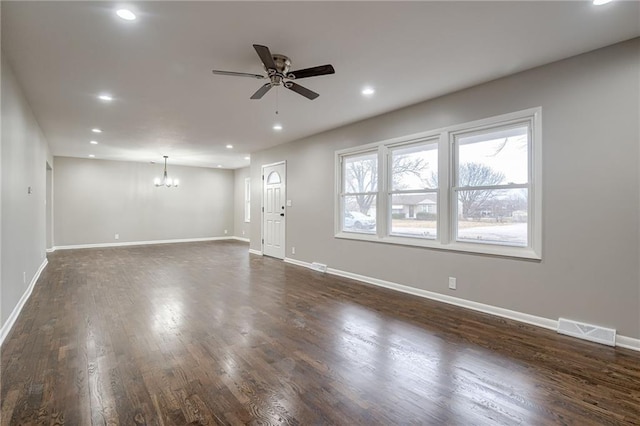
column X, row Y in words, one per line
column 357, row 220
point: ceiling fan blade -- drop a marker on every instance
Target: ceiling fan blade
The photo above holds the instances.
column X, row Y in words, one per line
column 312, row 72
column 237, row 74
column 265, row 56
column 309, row 94
column 261, row 91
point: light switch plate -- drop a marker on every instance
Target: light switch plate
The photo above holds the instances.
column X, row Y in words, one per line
column 452, row 283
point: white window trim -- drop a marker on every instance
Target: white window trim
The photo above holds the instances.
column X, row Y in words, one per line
column 446, row 213
column 340, row 190
column 427, row 139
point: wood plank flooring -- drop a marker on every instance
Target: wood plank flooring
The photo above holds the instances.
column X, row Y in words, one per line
column 206, row 334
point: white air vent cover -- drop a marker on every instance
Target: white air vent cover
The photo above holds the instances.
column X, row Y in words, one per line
column 594, row 333
column 320, row 267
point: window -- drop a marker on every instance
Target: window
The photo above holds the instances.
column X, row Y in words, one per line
column 491, row 185
column 359, row 192
column 274, row 177
column 472, row 187
column 247, row 199
column 413, row 193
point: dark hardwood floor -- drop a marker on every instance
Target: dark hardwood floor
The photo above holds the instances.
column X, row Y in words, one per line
column 204, row 333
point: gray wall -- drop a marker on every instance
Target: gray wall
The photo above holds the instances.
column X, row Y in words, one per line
column 241, row 227
column 25, row 153
column 95, row 199
column 589, row 270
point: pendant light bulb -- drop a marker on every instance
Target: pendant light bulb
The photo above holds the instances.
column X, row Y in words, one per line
column 166, row 180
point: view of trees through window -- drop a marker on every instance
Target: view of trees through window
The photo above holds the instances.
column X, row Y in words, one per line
column 492, row 177
column 414, row 190
column 488, row 192
column 360, row 186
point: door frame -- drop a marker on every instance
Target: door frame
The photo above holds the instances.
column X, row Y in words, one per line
column 48, row 201
column 284, row 231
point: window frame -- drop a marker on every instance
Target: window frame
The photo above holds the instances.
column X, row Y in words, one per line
column 389, row 148
column 455, row 186
column 342, row 193
column 446, row 200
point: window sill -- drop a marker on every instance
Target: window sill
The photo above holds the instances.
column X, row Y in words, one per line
column 472, row 248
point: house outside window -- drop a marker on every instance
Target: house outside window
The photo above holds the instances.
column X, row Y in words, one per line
column 472, row 187
column 413, row 179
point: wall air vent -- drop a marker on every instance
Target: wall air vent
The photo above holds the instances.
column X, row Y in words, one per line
column 594, row 333
column 320, row 267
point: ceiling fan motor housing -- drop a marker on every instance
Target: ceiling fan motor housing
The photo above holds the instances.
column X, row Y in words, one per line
column 283, row 65
column 278, row 69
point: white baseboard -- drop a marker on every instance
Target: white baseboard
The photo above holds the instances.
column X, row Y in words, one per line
column 140, row 243
column 8, row 325
column 246, row 240
column 550, row 324
column 256, row 252
column 51, row 250
column 297, row 262
column 628, row 342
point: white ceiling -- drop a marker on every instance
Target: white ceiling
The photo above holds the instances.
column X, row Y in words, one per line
column 167, row 102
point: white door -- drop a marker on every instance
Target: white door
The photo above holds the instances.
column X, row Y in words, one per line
column 273, row 217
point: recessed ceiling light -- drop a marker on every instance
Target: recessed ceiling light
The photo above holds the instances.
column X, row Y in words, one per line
column 219, row 165
column 601, row 2
column 96, row 130
column 247, row 158
column 93, row 142
column 105, row 97
column 368, row 91
column 91, row 156
column 277, row 127
column 229, row 146
column 126, row 14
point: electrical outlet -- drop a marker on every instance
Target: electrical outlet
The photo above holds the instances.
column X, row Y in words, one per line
column 243, row 233
column 117, row 236
column 293, row 250
column 24, row 277
column 452, row 283
column 225, row 232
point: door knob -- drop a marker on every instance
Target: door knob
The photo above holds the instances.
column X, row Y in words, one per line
column 282, row 214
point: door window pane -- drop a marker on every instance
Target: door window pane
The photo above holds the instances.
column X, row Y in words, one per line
column 274, row 177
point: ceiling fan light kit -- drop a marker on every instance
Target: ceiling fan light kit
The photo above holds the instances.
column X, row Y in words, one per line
column 278, row 69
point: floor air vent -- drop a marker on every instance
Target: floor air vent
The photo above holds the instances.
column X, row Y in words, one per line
column 594, row 333
column 320, row 267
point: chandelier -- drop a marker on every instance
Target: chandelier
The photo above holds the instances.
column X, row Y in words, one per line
column 166, row 181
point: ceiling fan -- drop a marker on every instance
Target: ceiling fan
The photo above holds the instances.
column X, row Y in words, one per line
column 279, row 73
